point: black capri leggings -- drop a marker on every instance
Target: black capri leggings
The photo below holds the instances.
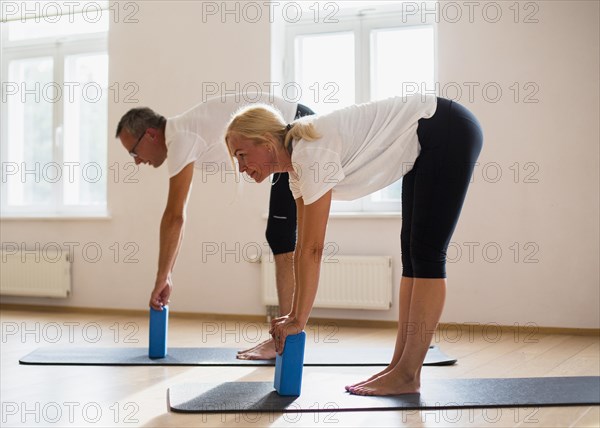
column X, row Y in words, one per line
column 433, row 192
column 281, row 224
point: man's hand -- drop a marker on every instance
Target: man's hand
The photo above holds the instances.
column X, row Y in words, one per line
column 161, row 293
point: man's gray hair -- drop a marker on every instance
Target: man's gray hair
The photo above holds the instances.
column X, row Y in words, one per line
column 137, row 120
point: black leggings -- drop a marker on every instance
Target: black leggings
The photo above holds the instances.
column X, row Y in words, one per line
column 281, row 224
column 433, row 192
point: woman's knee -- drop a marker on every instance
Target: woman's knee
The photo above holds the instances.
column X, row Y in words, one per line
column 427, row 261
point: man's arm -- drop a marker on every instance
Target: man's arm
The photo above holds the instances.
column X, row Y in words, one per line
column 171, row 234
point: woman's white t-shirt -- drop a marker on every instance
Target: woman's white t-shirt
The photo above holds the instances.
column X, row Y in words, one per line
column 363, row 148
column 198, row 135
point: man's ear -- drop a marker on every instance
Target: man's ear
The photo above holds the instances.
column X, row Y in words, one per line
column 153, row 132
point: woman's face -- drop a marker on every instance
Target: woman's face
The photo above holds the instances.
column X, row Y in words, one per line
column 257, row 160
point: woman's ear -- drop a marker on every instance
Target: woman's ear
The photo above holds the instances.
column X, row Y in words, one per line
column 273, row 141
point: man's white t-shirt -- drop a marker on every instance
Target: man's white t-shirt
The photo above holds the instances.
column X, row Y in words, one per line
column 198, row 135
column 363, row 148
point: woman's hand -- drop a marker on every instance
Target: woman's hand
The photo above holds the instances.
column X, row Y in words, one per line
column 161, row 293
column 283, row 327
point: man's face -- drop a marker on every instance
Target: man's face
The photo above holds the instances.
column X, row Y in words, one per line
column 145, row 149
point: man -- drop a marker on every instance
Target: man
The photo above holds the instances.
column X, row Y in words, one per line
column 187, row 142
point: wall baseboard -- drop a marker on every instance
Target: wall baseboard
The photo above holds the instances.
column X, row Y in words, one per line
column 449, row 331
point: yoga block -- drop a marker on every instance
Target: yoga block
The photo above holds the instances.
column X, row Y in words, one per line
column 159, row 325
column 288, row 365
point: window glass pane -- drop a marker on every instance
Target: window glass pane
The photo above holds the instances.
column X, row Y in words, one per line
column 30, row 141
column 402, row 61
column 392, row 193
column 93, row 20
column 85, row 132
column 325, row 70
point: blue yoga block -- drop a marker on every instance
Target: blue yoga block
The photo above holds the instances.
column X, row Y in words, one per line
column 159, row 325
column 288, row 366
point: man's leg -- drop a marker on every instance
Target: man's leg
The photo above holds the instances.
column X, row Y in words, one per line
column 284, row 278
column 281, row 236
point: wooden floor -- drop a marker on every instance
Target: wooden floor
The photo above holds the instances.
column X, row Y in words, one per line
column 136, row 396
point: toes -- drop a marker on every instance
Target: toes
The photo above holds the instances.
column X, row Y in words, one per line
column 354, row 385
column 353, row 390
column 365, row 391
column 357, row 391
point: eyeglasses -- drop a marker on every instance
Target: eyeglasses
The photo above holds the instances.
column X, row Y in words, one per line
column 132, row 152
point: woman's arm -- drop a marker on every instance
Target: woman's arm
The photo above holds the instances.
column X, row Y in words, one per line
column 308, row 254
column 312, row 225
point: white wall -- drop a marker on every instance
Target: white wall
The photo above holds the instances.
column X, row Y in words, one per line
column 171, row 53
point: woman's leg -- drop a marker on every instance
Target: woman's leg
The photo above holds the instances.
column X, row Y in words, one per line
column 406, row 282
column 406, row 287
column 450, row 148
column 426, row 305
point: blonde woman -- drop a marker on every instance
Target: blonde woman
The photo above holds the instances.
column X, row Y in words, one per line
column 193, row 141
column 432, row 142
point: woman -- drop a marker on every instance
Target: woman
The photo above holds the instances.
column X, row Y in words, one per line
column 193, row 140
column 349, row 153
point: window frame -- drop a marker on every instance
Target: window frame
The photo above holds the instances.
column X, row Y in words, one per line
column 58, row 48
column 361, row 21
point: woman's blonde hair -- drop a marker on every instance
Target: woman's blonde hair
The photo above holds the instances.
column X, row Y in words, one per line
column 258, row 121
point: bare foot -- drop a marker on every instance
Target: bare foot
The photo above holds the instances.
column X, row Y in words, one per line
column 243, row 351
column 375, row 376
column 391, row 383
column 262, row 351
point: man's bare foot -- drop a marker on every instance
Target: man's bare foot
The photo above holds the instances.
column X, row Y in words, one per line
column 391, row 383
column 262, row 351
column 243, row 351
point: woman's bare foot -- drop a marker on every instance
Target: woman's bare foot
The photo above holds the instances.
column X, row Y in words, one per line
column 262, row 351
column 375, row 376
column 391, row 383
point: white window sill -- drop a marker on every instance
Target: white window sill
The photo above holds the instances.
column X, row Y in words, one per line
column 355, row 215
column 352, row 215
column 55, row 216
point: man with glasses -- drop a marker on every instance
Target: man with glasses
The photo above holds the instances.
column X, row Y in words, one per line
column 187, row 142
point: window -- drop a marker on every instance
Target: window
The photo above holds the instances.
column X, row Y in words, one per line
column 54, row 115
column 360, row 55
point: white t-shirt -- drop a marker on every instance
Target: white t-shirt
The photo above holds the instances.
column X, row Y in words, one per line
column 198, row 135
column 363, row 148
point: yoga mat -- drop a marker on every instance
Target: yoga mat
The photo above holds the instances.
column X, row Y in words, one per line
column 330, row 396
column 317, row 356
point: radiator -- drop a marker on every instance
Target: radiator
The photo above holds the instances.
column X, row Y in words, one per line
column 346, row 282
column 40, row 273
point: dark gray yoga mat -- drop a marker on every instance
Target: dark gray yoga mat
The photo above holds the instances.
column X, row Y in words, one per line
column 239, row 397
column 317, row 356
